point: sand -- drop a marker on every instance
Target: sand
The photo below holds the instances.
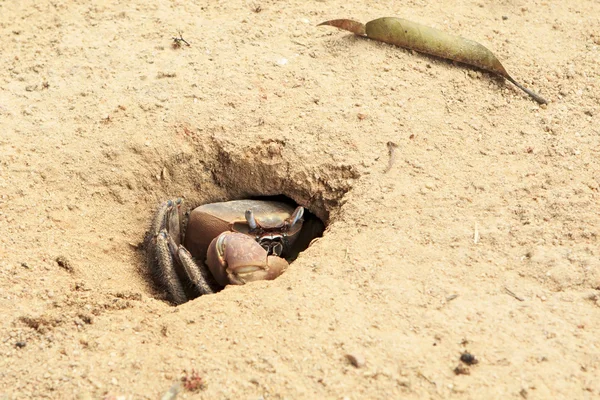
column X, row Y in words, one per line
column 479, row 234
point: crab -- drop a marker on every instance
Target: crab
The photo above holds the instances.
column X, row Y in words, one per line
column 218, row 244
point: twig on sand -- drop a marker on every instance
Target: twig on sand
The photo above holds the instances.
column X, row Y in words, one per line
column 178, row 40
column 451, row 297
column 511, row 293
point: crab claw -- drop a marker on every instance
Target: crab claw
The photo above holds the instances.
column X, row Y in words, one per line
column 235, row 259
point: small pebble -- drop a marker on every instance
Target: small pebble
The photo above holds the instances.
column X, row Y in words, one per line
column 357, row 360
column 63, row 262
column 468, row 358
column 462, row 370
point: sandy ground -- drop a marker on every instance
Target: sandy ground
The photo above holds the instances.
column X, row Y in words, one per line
column 483, row 236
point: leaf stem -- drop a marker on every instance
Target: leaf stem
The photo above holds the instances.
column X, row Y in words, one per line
column 533, row 95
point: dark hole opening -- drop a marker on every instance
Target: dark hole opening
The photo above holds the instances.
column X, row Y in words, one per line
column 178, row 277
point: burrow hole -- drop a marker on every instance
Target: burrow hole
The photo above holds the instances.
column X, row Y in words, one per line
column 231, row 172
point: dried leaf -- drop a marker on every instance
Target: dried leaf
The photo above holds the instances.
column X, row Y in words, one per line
column 414, row 36
column 347, row 24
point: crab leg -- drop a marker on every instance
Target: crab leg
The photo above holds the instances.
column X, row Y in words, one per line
column 194, row 272
column 166, row 270
column 164, row 218
column 164, row 230
column 171, row 258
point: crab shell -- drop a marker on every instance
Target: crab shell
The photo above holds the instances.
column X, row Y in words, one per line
column 220, row 234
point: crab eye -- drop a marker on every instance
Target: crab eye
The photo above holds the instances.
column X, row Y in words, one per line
column 251, row 219
column 296, row 216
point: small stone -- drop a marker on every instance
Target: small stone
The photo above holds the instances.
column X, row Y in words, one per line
column 20, row 344
column 166, row 74
column 468, row 358
column 462, row 370
column 63, row 262
column 357, row 360
column 164, row 174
